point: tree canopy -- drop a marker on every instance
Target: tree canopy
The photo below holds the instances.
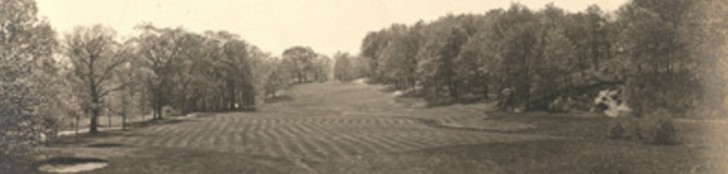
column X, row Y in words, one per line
column 656, row 50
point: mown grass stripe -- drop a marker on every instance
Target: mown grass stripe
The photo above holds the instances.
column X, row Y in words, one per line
column 408, row 142
column 393, row 146
column 359, row 144
column 316, row 151
column 331, row 146
column 375, row 143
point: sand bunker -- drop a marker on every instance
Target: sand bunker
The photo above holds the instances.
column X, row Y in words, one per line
column 71, row 164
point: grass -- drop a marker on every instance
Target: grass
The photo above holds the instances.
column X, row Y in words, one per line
column 356, row 128
column 583, row 148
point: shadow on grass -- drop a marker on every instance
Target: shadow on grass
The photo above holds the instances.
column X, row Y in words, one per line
column 105, row 145
column 576, row 156
column 438, row 124
column 157, row 122
column 388, row 89
column 176, row 160
column 573, row 125
column 84, row 138
column 279, row 99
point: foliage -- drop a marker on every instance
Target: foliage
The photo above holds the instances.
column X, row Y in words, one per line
column 300, row 61
column 666, row 53
column 347, row 67
column 26, row 72
column 93, row 57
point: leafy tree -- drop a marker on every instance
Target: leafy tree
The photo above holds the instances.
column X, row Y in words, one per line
column 436, row 60
column 343, row 67
column 348, row 67
column 372, row 45
column 92, row 54
column 129, row 74
column 556, row 53
column 651, row 44
column 27, row 45
column 478, row 60
column 278, row 77
column 321, row 68
column 301, row 62
column 160, row 47
column 519, row 51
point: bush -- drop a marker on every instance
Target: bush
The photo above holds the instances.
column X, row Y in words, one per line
column 616, row 130
column 657, row 128
column 559, row 105
column 171, row 111
column 675, row 92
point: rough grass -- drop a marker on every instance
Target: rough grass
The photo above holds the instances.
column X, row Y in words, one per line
column 356, row 128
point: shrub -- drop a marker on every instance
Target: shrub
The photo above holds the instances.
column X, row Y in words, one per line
column 674, row 92
column 616, row 130
column 657, row 128
column 560, row 105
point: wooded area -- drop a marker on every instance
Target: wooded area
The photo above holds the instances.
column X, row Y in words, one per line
column 662, row 54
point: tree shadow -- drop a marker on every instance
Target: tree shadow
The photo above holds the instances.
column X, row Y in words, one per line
column 156, row 122
column 105, row 145
column 279, row 99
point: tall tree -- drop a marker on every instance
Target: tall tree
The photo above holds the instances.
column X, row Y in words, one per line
column 26, row 48
column 436, row 62
column 373, row 44
column 160, row 48
column 556, row 54
column 321, row 68
column 347, row 67
column 91, row 51
column 277, row 77
column 478, row 60
column 657, row 77
column 519, row 51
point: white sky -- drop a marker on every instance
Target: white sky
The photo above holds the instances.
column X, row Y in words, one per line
column 274, row 25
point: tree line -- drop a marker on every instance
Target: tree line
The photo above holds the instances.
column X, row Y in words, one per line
column 174, row 68
column 90, row 72
column 664, row 54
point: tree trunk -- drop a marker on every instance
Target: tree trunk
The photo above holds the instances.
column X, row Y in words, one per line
column 484, row 83
column 453, row 88
column 94, row 126
column 78, row 120
column 158, row 110
column 158, row 104
column 123, row 119
column 143, row 104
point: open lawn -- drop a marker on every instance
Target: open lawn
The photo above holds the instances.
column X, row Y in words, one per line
column 357, row 128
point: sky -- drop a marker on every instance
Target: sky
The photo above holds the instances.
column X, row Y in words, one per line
column 327, row 26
